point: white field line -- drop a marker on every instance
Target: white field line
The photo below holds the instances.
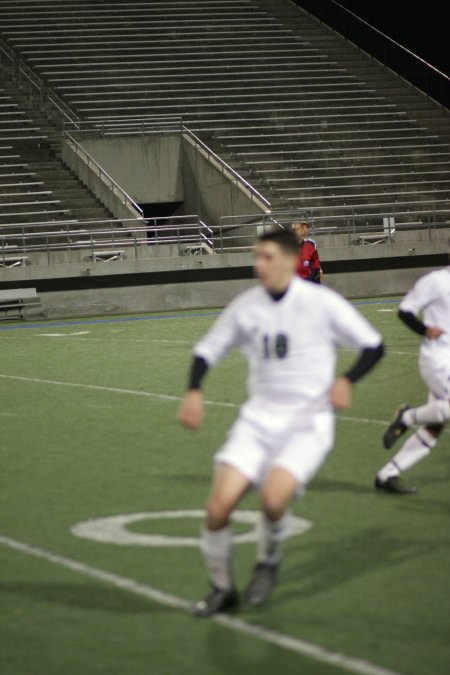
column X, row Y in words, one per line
column 76, row 337
column 115, row 339
column 149, row 394
column 77, row 333
column 114, row 390
column 165, row 397
column 364, row 420
column 81, row 336
column 292, row 644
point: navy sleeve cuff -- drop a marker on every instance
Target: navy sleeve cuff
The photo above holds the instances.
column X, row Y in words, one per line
column 198, row 371
column 411, row 320
column 368, row 358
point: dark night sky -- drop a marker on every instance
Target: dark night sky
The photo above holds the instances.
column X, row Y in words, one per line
column 421, row 26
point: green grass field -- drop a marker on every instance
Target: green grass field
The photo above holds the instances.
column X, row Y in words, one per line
column 87, row 431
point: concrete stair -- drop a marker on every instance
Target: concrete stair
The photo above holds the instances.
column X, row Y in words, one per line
column 35, row 185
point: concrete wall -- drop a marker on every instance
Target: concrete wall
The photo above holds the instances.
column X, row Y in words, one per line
column 148, row 167
column 147, row 296
column 209, row 191
column 332, row 248
column 428, row 239
column 137, row 299
column 211, row 294
column 410, row 247
column 166, row 281
column 162, row 168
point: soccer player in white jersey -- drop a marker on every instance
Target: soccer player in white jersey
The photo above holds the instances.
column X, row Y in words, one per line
column 288, row 330
column 430, row 295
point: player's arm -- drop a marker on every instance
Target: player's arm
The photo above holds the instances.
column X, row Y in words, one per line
column 367, row 359
column 318, row 271
column 416, row 325
column 352, row 330
column 341, row 392
column 224, row 335
column 422, row 293
column 190, row 413
column 315, row 267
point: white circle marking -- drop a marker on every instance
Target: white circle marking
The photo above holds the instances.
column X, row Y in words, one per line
column 113, row 529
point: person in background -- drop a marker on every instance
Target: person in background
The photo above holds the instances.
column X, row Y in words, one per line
column 308, row 266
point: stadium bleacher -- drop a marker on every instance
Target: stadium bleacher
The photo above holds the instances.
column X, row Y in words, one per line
column 309, row 120
column 35, row 186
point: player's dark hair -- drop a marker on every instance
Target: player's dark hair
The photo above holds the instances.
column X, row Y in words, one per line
column 285, row 239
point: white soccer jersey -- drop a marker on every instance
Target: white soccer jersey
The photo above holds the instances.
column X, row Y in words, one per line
column 431, row 295
column 290, row 344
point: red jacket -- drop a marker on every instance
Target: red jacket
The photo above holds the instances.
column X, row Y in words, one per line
column 308, row 265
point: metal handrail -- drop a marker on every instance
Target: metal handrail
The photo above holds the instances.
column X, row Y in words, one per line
column 254, row 195
column 160, row 234
column 355, row 223
column 102, row 174
column 114, row 224
column 137, row 125
column 290, row 216
column 234, row 237
column 71, row 235
column 184, row 230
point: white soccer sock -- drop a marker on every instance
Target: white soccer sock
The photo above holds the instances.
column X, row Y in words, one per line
column 217, row 549
column 271, row 537
column 412, row 451
column 434, row 412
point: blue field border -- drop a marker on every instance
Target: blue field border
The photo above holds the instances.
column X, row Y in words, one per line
column 161, row 317
column 92, row 322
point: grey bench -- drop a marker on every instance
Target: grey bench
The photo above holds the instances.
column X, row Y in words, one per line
column 14, row 260
column 379, row 237
column 198, row 248
column 18, row 300
column 106, row 255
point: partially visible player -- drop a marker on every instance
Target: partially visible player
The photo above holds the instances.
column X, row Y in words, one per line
column 430, row 295
column 308, row 264
column 288, row 331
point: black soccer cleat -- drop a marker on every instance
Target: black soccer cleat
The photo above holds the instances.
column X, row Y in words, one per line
column 395, row 485
column 396, row 428
column 261, row 584
column 218, row 600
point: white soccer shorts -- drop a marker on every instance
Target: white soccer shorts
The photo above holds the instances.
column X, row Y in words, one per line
column 436, row 374
column 265, row 437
